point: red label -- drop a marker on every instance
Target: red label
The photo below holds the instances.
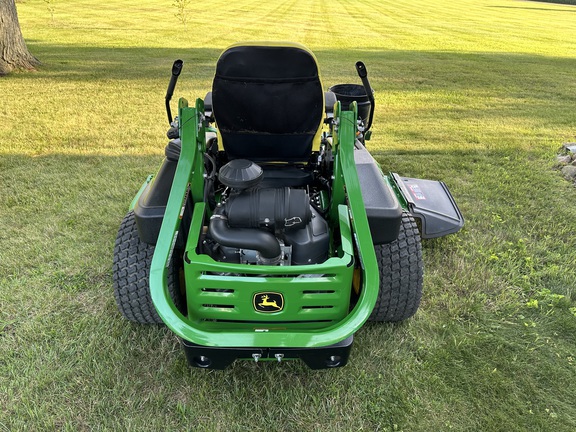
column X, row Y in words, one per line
column 417, row 192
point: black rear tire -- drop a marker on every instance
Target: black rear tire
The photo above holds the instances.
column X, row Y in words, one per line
column 131, row 271
column 401, row 274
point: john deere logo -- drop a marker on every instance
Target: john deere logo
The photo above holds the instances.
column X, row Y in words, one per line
column 268, row 302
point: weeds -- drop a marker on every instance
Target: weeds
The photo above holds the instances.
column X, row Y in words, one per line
column 182, row 11
column 50, row 6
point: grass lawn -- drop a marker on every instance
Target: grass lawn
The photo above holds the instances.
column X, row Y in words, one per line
column 478, row 93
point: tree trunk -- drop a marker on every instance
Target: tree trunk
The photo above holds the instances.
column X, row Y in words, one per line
column 13, row 51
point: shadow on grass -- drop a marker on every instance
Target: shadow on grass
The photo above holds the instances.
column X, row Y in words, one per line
column 75, row 62
column 561, row 2
column 540, row 9
column 64, row 327
column 434, row 84
column 72, row 62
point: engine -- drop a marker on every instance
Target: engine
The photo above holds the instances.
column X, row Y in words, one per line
column 266, row 226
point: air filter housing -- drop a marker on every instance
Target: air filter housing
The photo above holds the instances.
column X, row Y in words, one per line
column 240, row 174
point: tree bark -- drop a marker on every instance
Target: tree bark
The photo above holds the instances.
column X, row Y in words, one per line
column 13, row 51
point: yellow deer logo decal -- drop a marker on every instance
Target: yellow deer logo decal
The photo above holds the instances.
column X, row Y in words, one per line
column 268, row 302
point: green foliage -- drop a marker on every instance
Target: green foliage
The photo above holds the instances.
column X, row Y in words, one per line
column 479, row 94
column 182, row 11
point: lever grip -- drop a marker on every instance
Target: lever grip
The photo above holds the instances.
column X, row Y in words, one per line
column 361, row 69
column 176, row 69
column 363, row 74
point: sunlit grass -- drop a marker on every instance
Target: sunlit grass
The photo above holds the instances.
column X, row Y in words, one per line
column 480, row 94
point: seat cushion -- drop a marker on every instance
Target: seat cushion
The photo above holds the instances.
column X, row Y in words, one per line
column 268, row 102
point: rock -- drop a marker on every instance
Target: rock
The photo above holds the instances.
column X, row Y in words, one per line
column 569, row 147
column 569, row 172
column 563, row 159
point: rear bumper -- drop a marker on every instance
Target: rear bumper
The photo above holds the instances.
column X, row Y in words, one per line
column 331, row 356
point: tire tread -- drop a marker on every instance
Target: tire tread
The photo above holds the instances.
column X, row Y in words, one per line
column 401, row 273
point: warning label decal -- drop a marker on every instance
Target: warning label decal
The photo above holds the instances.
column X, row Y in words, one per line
column 417, row 192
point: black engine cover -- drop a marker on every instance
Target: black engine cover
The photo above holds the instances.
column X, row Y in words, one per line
column 310, row 245
column 275, row 209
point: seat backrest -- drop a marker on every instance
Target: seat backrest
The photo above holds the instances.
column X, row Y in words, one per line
column 268, row 102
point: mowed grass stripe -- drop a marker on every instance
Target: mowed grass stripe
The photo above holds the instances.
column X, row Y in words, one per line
column 479, row 94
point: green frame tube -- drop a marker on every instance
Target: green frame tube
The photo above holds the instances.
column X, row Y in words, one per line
column 347, row 207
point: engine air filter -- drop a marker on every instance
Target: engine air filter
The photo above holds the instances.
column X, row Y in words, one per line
column 240, row 174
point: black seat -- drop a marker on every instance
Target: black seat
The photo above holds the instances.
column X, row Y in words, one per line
column 268, row 102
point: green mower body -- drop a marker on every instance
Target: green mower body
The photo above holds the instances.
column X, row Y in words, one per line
column 269, row 231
